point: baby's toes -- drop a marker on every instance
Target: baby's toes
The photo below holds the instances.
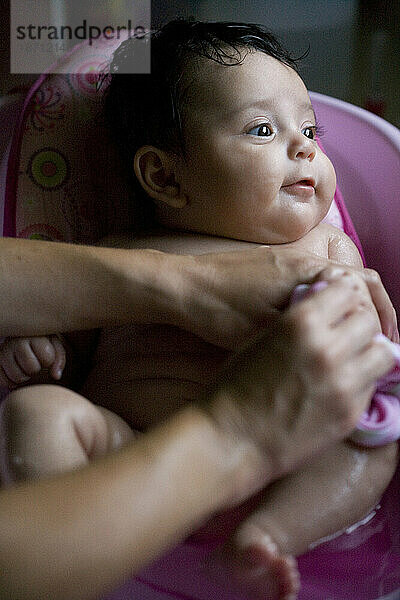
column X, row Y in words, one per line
column 259, row 571
column 267, row 574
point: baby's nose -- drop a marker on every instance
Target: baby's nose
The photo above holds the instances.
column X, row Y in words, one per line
column 302, row 147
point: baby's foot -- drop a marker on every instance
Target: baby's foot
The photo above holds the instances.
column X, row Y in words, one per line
column 259, row 570
column 267, row 573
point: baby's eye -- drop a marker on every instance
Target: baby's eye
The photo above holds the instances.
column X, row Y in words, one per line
column 310, row 131
column 262, row 130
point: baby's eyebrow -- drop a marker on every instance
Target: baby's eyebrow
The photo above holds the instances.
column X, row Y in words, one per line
column 264, row 103
column 308, row 107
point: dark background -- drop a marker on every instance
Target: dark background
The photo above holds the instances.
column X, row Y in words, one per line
column 354, row 45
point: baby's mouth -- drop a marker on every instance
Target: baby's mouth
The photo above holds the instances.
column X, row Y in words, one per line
column 303, row 188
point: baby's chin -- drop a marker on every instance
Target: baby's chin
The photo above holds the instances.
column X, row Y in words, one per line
column 266, row 237
column 298, row 230
column 285, row 236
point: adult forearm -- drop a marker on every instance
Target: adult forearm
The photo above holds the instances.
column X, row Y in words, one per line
column 47, row 287
column 79, row 535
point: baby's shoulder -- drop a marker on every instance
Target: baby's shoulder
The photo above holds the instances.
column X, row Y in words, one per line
column 328, row 234
column 328, row 231
column 328, row 241
column 341, row 248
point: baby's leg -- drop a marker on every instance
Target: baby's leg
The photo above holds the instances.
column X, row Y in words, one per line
column 329, row 494
column 46, row 429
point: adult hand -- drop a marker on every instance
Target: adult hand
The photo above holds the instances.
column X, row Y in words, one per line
column 225, row 298
column 302, row 384
column 374, row 292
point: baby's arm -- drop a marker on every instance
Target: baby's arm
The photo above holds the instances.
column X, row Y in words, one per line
column 22, row 358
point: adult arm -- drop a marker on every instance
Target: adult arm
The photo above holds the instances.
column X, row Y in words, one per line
column 78, row 535
column 47, row 287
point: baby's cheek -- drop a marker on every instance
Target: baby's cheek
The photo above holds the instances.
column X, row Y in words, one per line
column 329, row 177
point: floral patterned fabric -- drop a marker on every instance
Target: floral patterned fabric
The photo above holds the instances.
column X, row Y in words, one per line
column 64, row 179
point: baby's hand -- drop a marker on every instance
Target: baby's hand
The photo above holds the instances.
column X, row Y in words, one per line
column 22, row 358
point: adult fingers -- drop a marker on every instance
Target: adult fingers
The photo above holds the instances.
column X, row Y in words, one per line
column 378, row 294
column 351, row 335
column 376, row 359
column 337, row 344
column 328, row 307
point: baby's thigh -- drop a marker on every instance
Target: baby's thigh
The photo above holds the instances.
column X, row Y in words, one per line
column 47, row 429
column 328, row 494
column 336, row 488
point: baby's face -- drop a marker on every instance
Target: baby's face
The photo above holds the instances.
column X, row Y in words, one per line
column 252, row 168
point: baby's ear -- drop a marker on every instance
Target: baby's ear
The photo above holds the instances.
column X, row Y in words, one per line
column 155, row 169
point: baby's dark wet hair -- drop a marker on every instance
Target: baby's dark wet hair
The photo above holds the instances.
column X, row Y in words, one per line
column 148, row 108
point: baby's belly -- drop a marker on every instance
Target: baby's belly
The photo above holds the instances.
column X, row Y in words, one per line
column 145, row 373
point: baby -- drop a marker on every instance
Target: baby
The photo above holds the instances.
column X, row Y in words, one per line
column 222, row 140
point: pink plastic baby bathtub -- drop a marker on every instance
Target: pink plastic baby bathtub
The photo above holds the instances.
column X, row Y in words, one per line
column 56, row 174
column 364, row 562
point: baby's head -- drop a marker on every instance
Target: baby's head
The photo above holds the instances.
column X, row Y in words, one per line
column 221, row 135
